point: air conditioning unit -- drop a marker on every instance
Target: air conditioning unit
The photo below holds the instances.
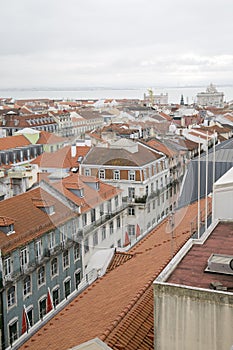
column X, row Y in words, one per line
column 220, row 263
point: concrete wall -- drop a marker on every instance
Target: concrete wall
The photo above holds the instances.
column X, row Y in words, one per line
column 192, row 319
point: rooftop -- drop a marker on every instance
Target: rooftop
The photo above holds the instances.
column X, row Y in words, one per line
column 193, row 274
column 118, row 307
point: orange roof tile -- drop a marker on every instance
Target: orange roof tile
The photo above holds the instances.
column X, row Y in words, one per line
column 117, row 307
column 6, row 221
column 91, row 197
column 13, row 142
column 36, row 223
column 118, row 259
column 49, row 138
column 61, row 158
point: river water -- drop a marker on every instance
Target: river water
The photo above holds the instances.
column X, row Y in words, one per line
column 174, row 93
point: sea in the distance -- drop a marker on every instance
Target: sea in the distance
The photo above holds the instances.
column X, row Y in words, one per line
column 174, row 93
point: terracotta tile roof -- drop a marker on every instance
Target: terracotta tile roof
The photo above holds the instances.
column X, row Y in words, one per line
column 49, row 138
column 120, row 156
column 30, row 221
column 166, row 116
column 13, row 142
column 159, row 146
column 119, row 258
column 26, row 121
column 61, row 158
column 91, row 197
column 6, row 221
column 112, row 307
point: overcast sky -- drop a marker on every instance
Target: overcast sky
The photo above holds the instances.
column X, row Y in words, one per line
column 119, row 43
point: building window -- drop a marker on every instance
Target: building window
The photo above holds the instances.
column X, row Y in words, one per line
column 7, row 266
column 132, row 175
column 11, row 300
column 42, row 308
column 153, row 203
column 161, row 182
column 148, row 208
column 24, row 257
column 147, row 190
column 116, row 201
column 170, row 191
column 67, row 288
column 118, row 222
column 13, row 332
column 131, row 211
column 86, row 245
column 131, row 230
column 103, row 233
column 54, row 267
column 63, row 235
column 30, row 317
column 87, row 172
column 152, row 187
column 66, row 260
column 84, row 219
column 93, row 218
column 77, row 278
column 38, row 249
column 158, row 200
column 27, row 285
column 109, row 206
column 131, row 192
column 111, row 227
column 101, row 209
column 41, row 276
column 157, row 185
column 76, row 251
column 116, row 175
column 102, row 174
column 167, row 194
column 119, row 243
column 56, row 298
column 165, row 179
column 51, row 240
column 95, row 239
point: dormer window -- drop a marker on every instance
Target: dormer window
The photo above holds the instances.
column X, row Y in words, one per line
column 46, row 206
column 7, row 225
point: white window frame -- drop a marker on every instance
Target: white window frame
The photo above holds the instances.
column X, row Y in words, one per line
column 131, row 230
column 38, row 249
column 11, row 298
column 131, row 175
column 24, row 257
column 7, row 266
column 87, row 172
column 54, row 272
column 116, row 175
column 40, row 276
column 102, row 174
column 52, row 240
column 66, row 259
column 27, row 287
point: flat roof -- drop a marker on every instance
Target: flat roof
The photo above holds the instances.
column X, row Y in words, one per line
column 191, row 270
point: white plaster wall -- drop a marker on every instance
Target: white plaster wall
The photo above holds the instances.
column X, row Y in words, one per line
column 223, row 203
column 188, row 319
